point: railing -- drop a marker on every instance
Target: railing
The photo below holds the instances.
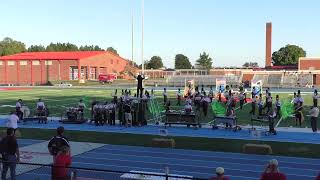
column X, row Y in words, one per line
column 35, row 171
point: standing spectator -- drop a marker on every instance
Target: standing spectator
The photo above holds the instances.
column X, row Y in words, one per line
column 12, row 121
column 314, row 113
column 272, row 172
column 10, row 154
column 57, row 142
column 61, row 164
column 219, row 175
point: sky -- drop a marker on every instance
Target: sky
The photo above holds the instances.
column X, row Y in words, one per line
column 231, row 31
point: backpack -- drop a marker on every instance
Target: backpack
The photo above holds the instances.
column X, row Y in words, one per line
column 56, row 144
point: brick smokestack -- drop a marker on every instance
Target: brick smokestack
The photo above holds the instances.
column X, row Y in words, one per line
column 268, row 44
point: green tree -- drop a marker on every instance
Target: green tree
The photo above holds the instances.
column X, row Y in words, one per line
column 288, row 55
column 250, row 64
column 61, row 47
column 9, row 46
column 90, row 48
column 204, row 61
column 182, row 62
column 111, row 49
column 154, row 63
column 36, row 48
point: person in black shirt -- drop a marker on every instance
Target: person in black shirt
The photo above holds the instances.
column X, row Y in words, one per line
column 57, row 142
column 140, row 78
column 10, row 154
column 94, row 102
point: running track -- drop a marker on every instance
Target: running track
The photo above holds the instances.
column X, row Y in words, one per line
column 183, row 162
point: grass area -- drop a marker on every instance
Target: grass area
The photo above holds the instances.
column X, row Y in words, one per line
column 58, row 99
column 195, row 143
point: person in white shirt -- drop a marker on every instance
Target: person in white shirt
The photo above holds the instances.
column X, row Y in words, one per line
column 12, row 121
column 278, row 106
column 40, row 105
column 81, row 106
column 18, row 109
column 314, row 113
column 315, row 98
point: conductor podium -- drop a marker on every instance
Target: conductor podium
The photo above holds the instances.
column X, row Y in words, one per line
column 182, row 118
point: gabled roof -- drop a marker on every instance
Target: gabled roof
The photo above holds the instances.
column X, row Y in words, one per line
column 70, row 55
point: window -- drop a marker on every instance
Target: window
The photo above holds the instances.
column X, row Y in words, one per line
column 1, row 63
column 48, row 63
column 35, row 63
column 23, row 63
column 11, row 63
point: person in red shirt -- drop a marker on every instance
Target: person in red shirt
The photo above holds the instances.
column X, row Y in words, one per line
column 61, row 164
column 219, row 174
column 272, row 172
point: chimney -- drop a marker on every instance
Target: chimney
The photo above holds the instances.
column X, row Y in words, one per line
column 268, row 44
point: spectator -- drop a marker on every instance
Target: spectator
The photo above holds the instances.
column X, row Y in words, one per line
column 61, row 164
column 219, row 175
column 272, row 172
column 57, row 142
column 12, row 121
column 10, row 154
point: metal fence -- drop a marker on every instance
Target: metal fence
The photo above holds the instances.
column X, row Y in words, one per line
column 34, row 171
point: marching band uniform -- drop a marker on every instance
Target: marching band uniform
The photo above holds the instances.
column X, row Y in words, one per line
column 41, row 111
column 315, row 98
column 205, row 104
column 188, row 108
column 253, row 104
column 278, row 106
column 241, row 99
column 260, row 105
column 165, row 96
column 18, row 109
column 179, row 96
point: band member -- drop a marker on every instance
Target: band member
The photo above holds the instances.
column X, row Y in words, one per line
column 314, row 113
column 18, row 109
column 220, row 93
column 241, row 99
column 315, row 98
column 278, row 106
column 188, row 108
column 188, row 100
column 294, row 100
column 271, row 116
column 81, row 106
column 197, row 100
column 205, row 104
column 94, row 102
column 253, row 104
column 165, row 96
column 268, row 102
column 41, row 110
column 112, row 111
column 202, row 89
column 211, row 95
column 121, row 111
column 127, row 113
column 298, row 113
column 260, row 105
column 179, row 96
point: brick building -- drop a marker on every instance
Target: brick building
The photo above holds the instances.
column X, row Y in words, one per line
column 41, row 67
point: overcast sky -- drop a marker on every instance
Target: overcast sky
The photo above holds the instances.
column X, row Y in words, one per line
column 231, row 31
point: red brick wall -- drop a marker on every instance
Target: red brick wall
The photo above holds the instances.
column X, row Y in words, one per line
column 268, row 44
column 317, row 80
column 314, row 64
column 247, row 77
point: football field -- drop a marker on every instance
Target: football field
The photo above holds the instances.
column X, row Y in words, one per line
column 58, row 99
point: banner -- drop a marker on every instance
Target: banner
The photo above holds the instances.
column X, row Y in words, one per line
column 221, row 84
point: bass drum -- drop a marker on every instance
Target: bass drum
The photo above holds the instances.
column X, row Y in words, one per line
column 26, row 111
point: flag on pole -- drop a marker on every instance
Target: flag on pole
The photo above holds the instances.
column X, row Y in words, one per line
column 218, row 109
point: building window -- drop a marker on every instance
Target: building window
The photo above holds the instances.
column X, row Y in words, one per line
column 36, row 63
column 23, row 63
column 111, row 61
column 11, row 63
column 48, row 63
column 1, row 63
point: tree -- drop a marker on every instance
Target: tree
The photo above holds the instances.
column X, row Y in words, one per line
column 204, row 61
column 9, row 46
column 111, row 49
column 154, row 63
column 182, row 62
column 36, row 48
column 250, row 64
column 288, row 55
column 61, row 47
column 90, row 48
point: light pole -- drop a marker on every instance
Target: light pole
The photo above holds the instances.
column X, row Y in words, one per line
column 142, row 22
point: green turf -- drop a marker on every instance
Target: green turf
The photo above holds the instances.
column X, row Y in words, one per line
column 196, row 143
column 58, row 99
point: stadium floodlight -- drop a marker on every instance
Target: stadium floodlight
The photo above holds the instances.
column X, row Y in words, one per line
column 142, row 33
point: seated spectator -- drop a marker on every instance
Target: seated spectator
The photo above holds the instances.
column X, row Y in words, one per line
column 219, row 175
column 272, row 172
column 61, row 164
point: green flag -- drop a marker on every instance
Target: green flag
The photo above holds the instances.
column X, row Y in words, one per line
column 218, row 109
column 287, row 109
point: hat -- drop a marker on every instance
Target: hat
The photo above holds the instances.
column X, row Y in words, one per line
column 273, row 162
column 219, row 170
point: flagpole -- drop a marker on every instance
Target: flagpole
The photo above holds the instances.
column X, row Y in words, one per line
column 132, row 41
column 142, row 33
